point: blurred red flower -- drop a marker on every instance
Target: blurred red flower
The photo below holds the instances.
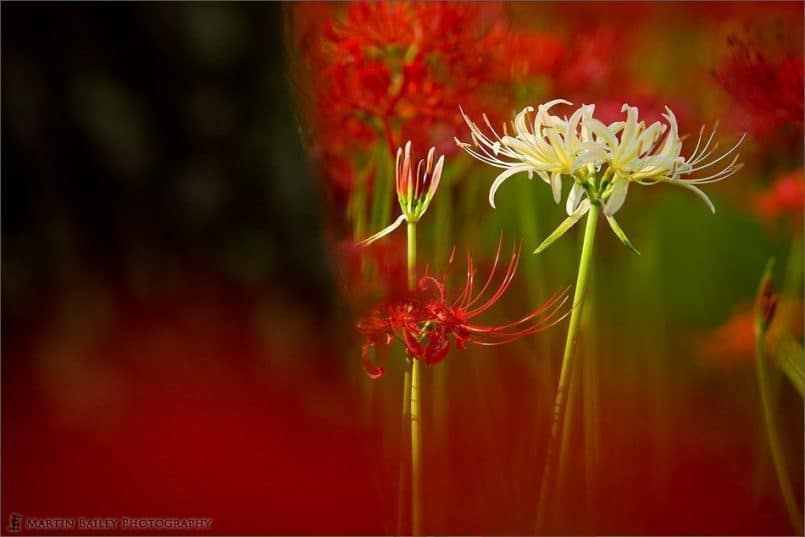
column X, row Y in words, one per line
column 785, row 197
column 392, row 71
column 387, row 63
column 427, row 321
column 770, row 90
column 733, row 342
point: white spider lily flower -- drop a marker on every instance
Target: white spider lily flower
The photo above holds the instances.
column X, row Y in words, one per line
column 639, row 157
column 415, row 189
column 550, row 146
column 601, row 160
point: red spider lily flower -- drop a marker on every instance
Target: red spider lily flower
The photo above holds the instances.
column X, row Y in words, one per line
column 769, row 90
column 785, row 197
column 428, row 323
column 415, row 190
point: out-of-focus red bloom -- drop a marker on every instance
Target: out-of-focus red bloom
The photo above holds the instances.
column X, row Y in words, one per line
column 387, row 68
column 770, row 90
column 785, row 197
column 427, row 321
column 733, row 342
column 531, row 54
column 590, row 66
column 388, row 71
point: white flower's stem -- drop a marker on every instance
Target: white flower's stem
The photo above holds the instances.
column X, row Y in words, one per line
column 585, row 263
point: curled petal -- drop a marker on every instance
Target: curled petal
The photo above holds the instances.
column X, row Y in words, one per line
column 520, row 119
column 502, row 177
column 372, row 371
column 383, row 232
column 696, row 190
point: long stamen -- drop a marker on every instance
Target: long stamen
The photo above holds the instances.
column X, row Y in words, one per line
column 491, row 274
column 510, row 270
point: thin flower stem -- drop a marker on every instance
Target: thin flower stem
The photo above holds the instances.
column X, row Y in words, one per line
column 772, row 433
column 589, row 372
column 409, row 405
column 563, row 460
column 413, row 398
column 401, row 488
column 585, row 263
column 411, row 256
column 416, row 442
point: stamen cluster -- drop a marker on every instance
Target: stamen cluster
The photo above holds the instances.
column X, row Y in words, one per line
column 427, row 321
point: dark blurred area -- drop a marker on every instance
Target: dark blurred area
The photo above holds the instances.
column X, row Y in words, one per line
column 166, row 292
column 150, row 145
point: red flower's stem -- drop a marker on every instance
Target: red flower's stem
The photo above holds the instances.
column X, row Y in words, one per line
column 411, row 418
column 404, row 450
column 416, row 442
column 413, row 398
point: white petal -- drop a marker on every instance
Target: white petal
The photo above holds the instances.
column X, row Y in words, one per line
column 383, row 232
column 616, row 198
column 519, row 120
column 574, row 197
column 499, row 181
column 696, row 191
column 556, row 186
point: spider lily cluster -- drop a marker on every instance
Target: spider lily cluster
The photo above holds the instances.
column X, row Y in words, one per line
column 599, row 161
column 428, row 320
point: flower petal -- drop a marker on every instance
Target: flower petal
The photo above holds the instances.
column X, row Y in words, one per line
column 499, row 181
column 556, row 186
column 696, row 191
column 619, row 190
column 383, row 232
column 620, row 234
column 568, row 222
column 574, row 197
column 372, row 371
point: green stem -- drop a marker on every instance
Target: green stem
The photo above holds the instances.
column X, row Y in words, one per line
column 563, row 460
column 416, row 442
column 772, row 433
column 567, row 359
column 413, row 399
column 404, row 451
column 411, row 256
